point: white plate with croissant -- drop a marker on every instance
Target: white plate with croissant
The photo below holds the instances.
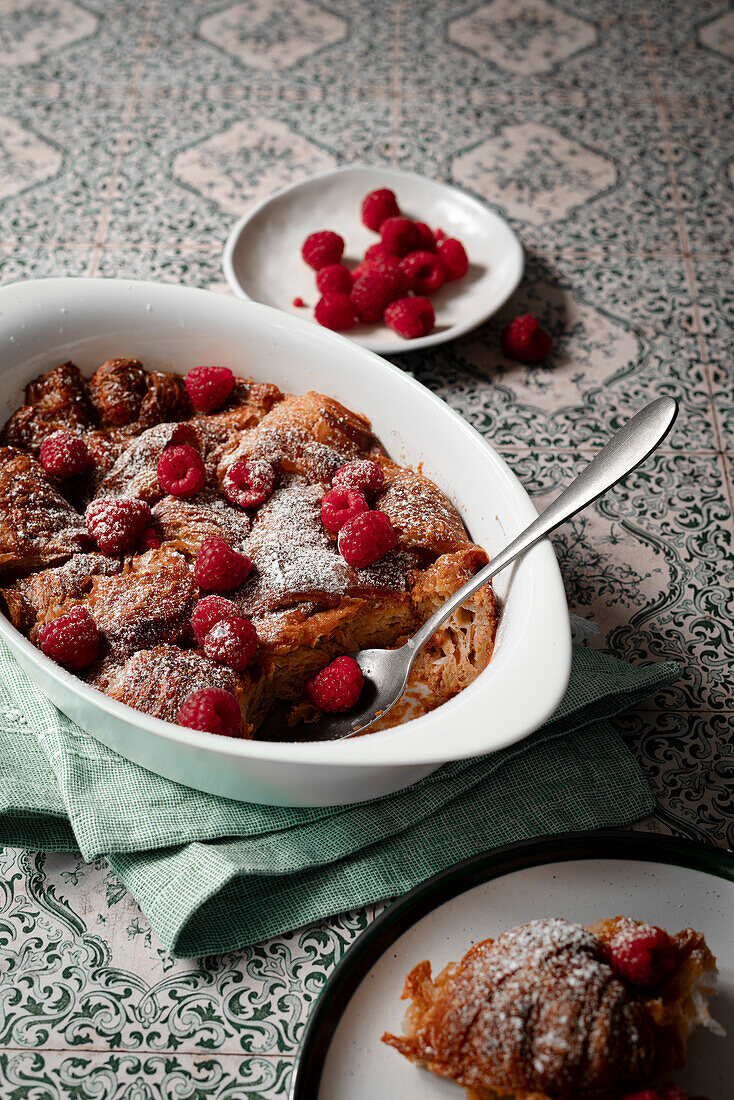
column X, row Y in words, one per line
column 587, row 965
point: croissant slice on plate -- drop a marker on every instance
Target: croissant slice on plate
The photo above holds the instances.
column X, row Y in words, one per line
column 540, row 1013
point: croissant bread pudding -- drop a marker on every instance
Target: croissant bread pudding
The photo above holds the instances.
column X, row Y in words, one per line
column 554, row 1011
column 201, row 548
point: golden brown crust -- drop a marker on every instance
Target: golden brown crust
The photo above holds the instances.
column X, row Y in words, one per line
column 37, row 525
column 54, row 401
column 165, row 400
column 116, row 390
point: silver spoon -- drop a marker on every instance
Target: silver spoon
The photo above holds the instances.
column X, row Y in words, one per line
column 386, row 671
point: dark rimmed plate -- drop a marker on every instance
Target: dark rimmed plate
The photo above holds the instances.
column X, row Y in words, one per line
column 581, row 876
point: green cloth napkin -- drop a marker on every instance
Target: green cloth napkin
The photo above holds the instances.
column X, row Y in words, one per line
column 212, row 874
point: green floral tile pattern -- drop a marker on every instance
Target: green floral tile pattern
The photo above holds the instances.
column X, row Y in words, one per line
column 131, row 135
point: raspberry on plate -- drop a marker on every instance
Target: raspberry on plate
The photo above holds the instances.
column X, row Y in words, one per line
column 366, row 539
column 249, row 482
column 335, row 311
column 233, row 642
column 410, row 317
column 116, row 523
column 424, row 271
column 369, row 297
column 320, row 249
column 72, row 640
column 388, row 272
column 525, row 341
column 643, row 954
column 361, row 475
column 334, row 277
column 181, row 471
column 64, row 454
column 209, row 387
column 454, row 258
column 219, row 568
column 339, row 506
column 210, row 611
column 377, row 206
column 375, row 252
column 426, row 239
column 211, row 710
column 338, row 686
column 399, row 236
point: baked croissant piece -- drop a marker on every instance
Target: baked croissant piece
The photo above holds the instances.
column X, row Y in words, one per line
column 541, row 1013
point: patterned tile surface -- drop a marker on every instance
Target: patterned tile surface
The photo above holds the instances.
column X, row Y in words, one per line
column 133, row 132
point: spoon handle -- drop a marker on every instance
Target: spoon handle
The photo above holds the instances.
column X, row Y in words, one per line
column 627, row 448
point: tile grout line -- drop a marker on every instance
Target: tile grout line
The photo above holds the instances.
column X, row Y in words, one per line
column 395, row 85
column 132, row 97
column 664, row 122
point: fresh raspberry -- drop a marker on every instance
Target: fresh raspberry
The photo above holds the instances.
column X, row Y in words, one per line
column 366, row 538
column 249, row 482
column 361, row 475
column 362, row 267
column 334, row 278
column 210, row 611
column 212, row 710
column 410, row 317
column 209, row 387
column 440, row 235
column 642, row 955
column 424, row 272
column 377, row 206
column 233, row 642
column 64, row 454
column 426, row 239
column 116, row 523
column 322, row 248
column 181, row 471
column 149, row 540
column 72, row 640
column 298, row 303
column 338, row 686
column 219, row 568
column 454, row 257
column 525, row 341
column 399, row 236
column 389, row 274
column 369, row 297
column 672, row 1092
column 375, row 252
column 339, row 506
column 335, row 311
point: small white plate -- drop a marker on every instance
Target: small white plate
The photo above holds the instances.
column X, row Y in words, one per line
column 583, row 877
column 262, row 257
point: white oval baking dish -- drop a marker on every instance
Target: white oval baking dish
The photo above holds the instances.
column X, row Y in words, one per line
column 45, row 322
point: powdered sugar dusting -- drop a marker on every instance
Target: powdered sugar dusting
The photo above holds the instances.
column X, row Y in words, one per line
column 294, row 559
column 158, row 680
